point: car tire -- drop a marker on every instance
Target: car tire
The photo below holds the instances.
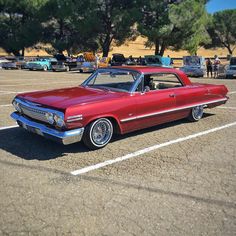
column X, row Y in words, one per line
column 196, row 113
column 81, row 71
column 98, row 133
column 45, row 68
column 229, row 77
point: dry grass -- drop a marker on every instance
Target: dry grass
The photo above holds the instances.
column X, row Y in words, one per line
column 136, row 48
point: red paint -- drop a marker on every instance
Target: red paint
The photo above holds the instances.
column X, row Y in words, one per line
column 96, row 103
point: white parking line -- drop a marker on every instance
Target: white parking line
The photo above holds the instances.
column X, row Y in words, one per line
column 232, row 92
column 29, row 84
column 233, row 108
column 146, row 150
column 6, row 105
column 6, row 92
column 9, row 127
column 14, row 92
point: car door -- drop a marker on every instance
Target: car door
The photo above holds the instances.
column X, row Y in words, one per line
column 157, row 105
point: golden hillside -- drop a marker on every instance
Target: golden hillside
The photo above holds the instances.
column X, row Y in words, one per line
column 136, row 48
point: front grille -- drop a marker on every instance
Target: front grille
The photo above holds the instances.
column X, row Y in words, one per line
column 33, row 113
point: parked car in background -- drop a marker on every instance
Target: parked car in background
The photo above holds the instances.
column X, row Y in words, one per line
column 14, row 63
column 230, row 72
column 104, row 62
column 131, row 61
column 3, row 60
column 156, row 60
column 118, row 59
column 61, row 66
column 92, row 62
column 41, row 64
column 115, row 100
column 84, row 63
column 64, row 63
column 194, row 66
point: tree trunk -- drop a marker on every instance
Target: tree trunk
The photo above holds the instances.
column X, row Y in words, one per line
column 106, row 46
column 157, row 46
column 16, row 53
column 230, row 50
column 23, row 52
column 163, row 47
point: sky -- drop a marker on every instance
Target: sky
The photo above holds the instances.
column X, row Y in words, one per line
column 219, row 5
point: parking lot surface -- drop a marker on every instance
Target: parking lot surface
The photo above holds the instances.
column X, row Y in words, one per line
column 182, row 182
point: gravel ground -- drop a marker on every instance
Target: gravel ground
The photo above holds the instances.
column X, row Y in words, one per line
column 187, row 188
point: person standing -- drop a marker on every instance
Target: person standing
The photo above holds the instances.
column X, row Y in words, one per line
column 209, row 67
column 97, row 60
column 216, row 66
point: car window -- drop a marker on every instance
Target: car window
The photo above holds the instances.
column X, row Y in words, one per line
column 161, row 81
column 114, row 80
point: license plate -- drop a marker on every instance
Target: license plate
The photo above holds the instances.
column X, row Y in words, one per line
column 32, row 129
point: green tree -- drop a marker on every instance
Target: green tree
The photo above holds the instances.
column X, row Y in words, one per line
column 69, row 25
column 19, row 25
column 177, row 24
column 190, row 20
column 115, row 22
column 223, row 30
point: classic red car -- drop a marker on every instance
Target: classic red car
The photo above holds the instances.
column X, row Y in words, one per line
column 115, row 100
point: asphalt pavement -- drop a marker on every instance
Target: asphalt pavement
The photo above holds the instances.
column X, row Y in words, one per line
column 179, row 178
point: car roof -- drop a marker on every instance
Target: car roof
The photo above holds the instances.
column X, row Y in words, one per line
column 147, row 69
column 155, row 69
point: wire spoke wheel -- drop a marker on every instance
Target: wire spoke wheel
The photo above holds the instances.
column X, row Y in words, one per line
column 98, row 133
column 101, row 132
column 196, row 113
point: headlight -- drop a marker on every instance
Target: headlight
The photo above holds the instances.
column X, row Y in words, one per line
column 50, row 117
column 59, row 120
column 16, row 105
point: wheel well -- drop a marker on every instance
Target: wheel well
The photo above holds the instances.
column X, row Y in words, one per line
column 116, row 127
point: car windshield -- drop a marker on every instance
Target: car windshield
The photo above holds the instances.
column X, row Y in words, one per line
column 113, row 79
column 233, row 61
column 119, row 58
column 153, row 60
column 191, row 60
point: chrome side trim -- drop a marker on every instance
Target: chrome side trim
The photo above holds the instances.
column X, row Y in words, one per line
column 172, row 110
column 74, row 118
column 65, row 137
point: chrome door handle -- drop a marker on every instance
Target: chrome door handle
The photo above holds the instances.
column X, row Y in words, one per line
column 172, row 95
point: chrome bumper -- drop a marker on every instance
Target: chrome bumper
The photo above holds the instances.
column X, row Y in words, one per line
column 64, row 137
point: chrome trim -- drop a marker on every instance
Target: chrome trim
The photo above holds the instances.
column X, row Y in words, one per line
column 38, row 111
column 72, row 120
column 72, row 117
column 65, row 137
column 172, row 110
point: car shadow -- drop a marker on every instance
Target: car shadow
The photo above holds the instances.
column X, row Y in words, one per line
column 30, row 146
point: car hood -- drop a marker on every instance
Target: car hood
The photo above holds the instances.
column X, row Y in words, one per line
column 67, row 97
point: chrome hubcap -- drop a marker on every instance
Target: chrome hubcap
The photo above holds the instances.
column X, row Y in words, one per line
column 102, row 132
column 197, row 112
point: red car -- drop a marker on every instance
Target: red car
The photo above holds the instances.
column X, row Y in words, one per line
column 115, row 100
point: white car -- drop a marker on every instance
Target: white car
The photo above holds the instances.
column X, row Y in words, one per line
column 231, row 69
column 3, row 60
column 194, row 66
